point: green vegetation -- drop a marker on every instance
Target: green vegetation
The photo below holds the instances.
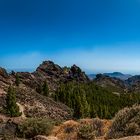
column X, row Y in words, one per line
column 35, row 126
column 43, row 89
column 90, row 100
column 86, row 132
column 11, row 106
column 17, row 82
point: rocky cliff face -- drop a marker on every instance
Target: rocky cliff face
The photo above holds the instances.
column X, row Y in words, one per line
column 4, row 78
column 54, row 74
column 50, row 70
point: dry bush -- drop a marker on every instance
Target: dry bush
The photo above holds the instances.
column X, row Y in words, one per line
column 90, row 128
column 66, row 131
column 126, row 123
column 84, row 129
column 98, row 127
column 86, row 132
column 35, row 126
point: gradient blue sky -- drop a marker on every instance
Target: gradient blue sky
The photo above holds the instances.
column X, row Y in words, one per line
column 97, row 35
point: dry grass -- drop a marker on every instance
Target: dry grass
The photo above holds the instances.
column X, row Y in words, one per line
column 69, row 129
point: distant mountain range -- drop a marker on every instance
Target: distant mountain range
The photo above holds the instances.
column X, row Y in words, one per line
column 118, row 75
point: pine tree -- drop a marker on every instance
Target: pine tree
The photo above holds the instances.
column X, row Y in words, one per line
column 85, row 107
column 17, row 82
column 45, row 89
column 93, row 113
column 11, row 106
column 77, row 107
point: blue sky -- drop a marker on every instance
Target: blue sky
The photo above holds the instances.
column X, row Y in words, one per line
column 97, row 35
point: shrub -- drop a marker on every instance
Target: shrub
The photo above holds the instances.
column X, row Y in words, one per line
column 126, row 123
column 98, row 126
column 35, row 126
column 86, row 132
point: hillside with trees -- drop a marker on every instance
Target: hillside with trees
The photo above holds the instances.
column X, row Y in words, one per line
column 90, row 100
column 64, row 103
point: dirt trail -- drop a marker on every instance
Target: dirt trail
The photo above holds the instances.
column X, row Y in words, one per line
column 21, row 109
column 5, row 118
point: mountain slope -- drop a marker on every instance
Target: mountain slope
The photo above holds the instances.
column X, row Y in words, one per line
column 134, row 84
column 37, row 105
column 118, row 75
column 112, row 84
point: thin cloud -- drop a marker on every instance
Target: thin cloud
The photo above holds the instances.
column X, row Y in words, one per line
column 96, row 59
column 22, row 61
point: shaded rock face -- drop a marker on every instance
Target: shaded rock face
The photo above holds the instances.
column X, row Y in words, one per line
column 54, row 74
column 48, row 68
column 4, row 78
column 3, row 73
column 76, row 73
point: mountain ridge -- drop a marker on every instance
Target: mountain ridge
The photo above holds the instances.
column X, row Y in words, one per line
column 49, row 71
column 118, row 75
